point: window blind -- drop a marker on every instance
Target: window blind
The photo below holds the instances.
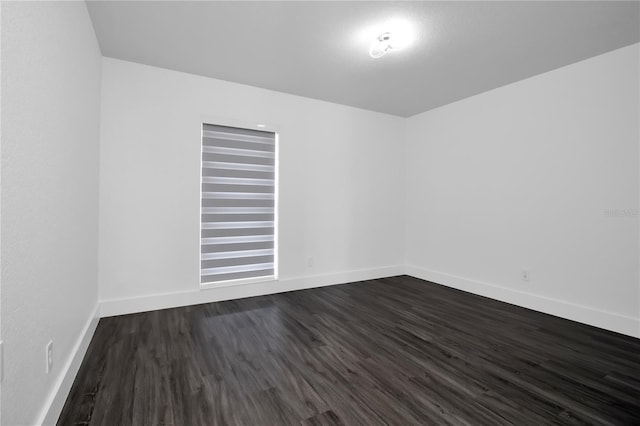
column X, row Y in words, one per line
column 237, row 224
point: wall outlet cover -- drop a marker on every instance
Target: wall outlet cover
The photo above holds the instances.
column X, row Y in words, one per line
column 49, row 356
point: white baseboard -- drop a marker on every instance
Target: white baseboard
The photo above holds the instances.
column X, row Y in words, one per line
column 55, row 402
column 607, row 320
column 584, row 314
column 113, row 307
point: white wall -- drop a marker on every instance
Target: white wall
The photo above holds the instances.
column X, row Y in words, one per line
column 50, row 133
column 340, row 187
column 523, row 177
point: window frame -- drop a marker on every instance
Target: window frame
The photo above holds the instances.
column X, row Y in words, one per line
column 242, row 124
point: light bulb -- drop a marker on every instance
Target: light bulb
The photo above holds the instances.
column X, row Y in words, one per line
column 382, row 45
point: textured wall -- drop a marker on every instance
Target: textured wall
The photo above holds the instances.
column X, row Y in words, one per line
column 50, row 133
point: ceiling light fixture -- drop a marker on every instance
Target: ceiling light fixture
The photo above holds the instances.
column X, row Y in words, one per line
column 383, row 44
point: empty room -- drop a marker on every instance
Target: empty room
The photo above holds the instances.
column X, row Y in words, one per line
column 268, row 213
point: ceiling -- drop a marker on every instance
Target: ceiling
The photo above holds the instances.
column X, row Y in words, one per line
column 320, row 49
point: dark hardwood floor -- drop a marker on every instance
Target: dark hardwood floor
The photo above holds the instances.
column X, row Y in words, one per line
column 397, row 351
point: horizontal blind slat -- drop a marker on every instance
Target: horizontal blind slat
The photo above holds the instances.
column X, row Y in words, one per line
column 239, row 239
column 237, row 268
column 235, row 232
column 236, row 261
column 237, row 137
column 220, row 248
column 252, row 189
column 238, row 225
column 238, row 152
column 221, row 180
column 238, row 173
column 204, row 279
column 238, row 210
column 257, row 145
column 209, row 218
column 237, row 254
column 226, row 165
column 237, row 203
column 237, row 159
column 238, row 196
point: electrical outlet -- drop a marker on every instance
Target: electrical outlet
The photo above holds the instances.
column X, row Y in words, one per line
column 49, row 356
column 310, row 262
column 1, row 361
column 526, row 275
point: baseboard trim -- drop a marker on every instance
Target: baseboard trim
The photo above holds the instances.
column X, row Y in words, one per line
column 113, row 307
column 607, row 320
column 58, row 396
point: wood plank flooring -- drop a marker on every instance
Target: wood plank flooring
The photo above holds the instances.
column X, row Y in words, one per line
column 394, row 351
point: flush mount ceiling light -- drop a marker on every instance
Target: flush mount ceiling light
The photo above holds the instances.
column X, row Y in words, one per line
column 387, row 36
column 381, row 45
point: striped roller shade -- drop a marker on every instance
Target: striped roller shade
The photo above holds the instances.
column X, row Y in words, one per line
column 237, row 238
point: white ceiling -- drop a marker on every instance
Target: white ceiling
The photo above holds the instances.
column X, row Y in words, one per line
column 320, row 49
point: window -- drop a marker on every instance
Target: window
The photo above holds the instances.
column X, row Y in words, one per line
column 238, row 205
